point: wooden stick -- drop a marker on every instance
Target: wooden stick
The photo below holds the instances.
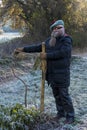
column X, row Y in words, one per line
column 43, row 66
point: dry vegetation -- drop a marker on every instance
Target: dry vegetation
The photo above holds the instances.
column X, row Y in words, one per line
column 78, row 92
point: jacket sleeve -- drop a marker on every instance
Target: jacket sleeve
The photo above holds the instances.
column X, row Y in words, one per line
column 32, row 48
column 65, row 50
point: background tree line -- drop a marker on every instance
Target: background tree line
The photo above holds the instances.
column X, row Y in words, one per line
column 35, row 16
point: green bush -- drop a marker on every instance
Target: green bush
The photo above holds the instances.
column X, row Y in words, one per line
column 18, row 118
column 79, row 39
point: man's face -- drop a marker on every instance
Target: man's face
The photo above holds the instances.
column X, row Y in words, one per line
column 59, row 30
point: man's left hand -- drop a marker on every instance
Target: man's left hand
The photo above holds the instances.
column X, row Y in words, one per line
column 43, row 55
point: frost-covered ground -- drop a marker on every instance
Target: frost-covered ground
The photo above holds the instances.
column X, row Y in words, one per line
column 8, row 36
column 12, row 92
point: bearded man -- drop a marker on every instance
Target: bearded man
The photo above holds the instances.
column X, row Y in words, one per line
column 58, row 57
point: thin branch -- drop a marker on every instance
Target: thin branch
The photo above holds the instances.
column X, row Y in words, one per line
column 23, row 83
column 18, row 77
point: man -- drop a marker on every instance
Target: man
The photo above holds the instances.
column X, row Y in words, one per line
column 58, row 55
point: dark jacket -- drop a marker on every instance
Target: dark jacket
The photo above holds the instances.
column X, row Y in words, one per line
column 58, row 60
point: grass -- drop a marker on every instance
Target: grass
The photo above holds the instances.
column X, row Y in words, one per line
column 12, row 92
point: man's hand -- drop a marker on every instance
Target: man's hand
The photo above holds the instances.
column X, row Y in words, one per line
column 43, row 55
column 18, row 50
column 54, row 34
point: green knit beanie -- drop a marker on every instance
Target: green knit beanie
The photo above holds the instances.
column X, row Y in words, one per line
column 58, row 22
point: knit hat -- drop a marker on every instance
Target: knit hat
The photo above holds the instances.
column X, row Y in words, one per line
column 58, row 22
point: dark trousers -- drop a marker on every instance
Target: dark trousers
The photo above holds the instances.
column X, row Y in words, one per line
column 63, row 101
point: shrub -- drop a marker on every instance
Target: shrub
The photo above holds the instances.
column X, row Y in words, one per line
column 80, row 39
column 18, row 117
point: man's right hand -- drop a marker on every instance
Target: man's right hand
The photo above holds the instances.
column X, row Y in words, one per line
column 18, row 50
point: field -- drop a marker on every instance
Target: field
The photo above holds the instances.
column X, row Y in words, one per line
column 12, row 90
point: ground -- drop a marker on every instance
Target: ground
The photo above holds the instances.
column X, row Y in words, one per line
column 12, row 90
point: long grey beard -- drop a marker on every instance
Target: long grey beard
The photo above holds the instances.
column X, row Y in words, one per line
column 52, row 41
